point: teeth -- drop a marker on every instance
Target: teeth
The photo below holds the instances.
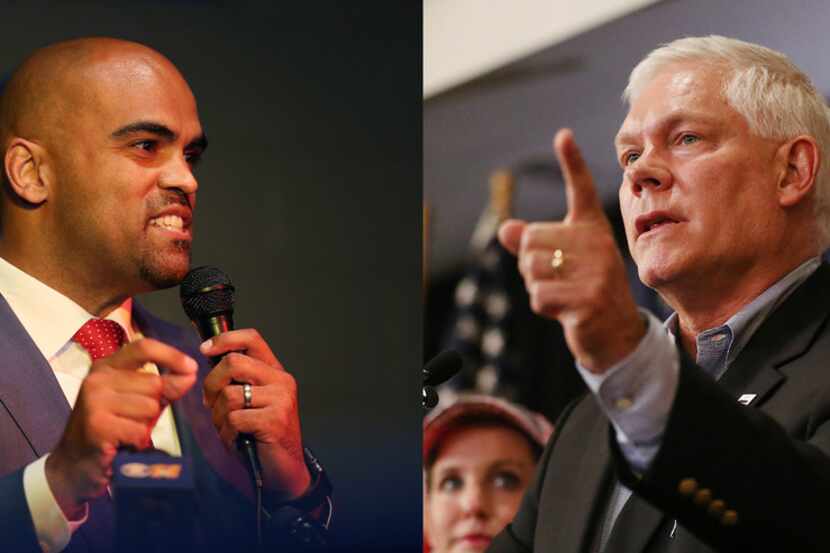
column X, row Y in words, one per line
column 168, row 221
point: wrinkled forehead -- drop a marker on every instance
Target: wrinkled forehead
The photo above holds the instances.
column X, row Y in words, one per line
column 683, row 90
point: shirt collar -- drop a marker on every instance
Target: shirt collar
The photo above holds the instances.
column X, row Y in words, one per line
column 749, row 318
column 50, row 318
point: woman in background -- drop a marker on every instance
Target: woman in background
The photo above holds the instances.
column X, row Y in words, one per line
column 479, row 454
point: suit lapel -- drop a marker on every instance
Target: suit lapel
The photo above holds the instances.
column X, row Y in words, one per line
column 582, row 502
column 775, row 344
column 28, row 387
column 634, row 527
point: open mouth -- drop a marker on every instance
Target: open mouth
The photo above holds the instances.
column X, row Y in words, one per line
column 168, row 222
column 654, row 220
column 175, row 219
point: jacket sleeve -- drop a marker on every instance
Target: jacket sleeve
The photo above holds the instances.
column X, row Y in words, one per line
column 16, row 528
column 735, row 477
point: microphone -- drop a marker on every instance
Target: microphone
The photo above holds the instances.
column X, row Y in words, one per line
column 442, row 367
column 438, row 370
column 207, row 297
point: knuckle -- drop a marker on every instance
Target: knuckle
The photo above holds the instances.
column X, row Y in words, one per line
column 531, row 235
column 142, row 345
column 289, row 384
column 156, row 385
column 96, row 423
column 217, row 416
column 537, row 234
column 252, row 334
column 534, row 264
column 596, row 288
column 286, row 411
column 152, row 408
column 536, row 304
column 234, row 420
column 227, row 394
column 93, row 381
column 234, row 359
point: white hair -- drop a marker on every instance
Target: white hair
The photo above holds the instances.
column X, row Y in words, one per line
column 775, row 97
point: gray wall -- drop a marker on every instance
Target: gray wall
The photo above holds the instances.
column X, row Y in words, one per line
column 310, row 200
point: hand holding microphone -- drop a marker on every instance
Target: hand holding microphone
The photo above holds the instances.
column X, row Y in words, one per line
column 242, row 356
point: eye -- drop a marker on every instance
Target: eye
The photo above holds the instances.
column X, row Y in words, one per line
column 687, row 139
column 450, row 484
column 630, row 157
column 193, row 156
column 146, row 145
column 507, row 480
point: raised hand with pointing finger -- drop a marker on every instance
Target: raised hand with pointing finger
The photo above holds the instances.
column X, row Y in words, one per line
column 573, row 270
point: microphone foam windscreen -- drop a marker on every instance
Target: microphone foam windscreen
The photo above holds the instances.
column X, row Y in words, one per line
column 206, row 291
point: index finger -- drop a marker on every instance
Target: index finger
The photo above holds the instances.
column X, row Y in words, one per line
column 247, row 340
column 580, row 191
column 181, row 368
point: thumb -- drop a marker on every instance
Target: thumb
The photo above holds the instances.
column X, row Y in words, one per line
column 580, row 191
column 510, row 234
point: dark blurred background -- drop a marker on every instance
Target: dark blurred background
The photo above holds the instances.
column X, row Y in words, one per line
column 309, row 199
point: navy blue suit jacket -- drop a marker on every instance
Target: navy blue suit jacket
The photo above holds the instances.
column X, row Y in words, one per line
column 34, row 412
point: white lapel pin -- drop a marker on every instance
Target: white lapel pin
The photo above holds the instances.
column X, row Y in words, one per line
column 746, row 399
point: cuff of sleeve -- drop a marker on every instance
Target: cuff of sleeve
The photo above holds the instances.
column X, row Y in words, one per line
column 52, row 528
column 637, row 393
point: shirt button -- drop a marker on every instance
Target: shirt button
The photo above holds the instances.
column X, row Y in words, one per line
column 623, row 403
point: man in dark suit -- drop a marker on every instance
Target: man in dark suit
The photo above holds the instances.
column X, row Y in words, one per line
column 99, row 138
column 709, row 432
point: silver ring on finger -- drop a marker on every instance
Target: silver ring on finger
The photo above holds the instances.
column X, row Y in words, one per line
column 247, row 395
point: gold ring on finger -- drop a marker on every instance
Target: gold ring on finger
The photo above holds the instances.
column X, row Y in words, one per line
column 558, row 260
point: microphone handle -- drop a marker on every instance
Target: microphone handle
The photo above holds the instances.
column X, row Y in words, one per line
column 210, row 327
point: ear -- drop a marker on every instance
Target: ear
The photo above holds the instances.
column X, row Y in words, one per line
column 801, row 158
column 27, row 172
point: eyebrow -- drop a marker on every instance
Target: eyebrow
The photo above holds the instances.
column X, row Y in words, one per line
column 671, row 121
column 160, row 130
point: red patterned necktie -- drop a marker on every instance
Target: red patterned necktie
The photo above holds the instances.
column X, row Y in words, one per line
column 100, row 337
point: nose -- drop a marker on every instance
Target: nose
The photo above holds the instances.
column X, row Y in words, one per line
column 475, row 500
column 178, row 173
column 648, row 172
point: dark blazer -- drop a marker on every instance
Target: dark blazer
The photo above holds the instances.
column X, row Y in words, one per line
column 34, row 412
column 734, row 477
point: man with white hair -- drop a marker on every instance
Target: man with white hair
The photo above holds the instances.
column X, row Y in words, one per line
column 719, row 435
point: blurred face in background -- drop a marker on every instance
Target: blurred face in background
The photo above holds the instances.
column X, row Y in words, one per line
column 474, row 487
